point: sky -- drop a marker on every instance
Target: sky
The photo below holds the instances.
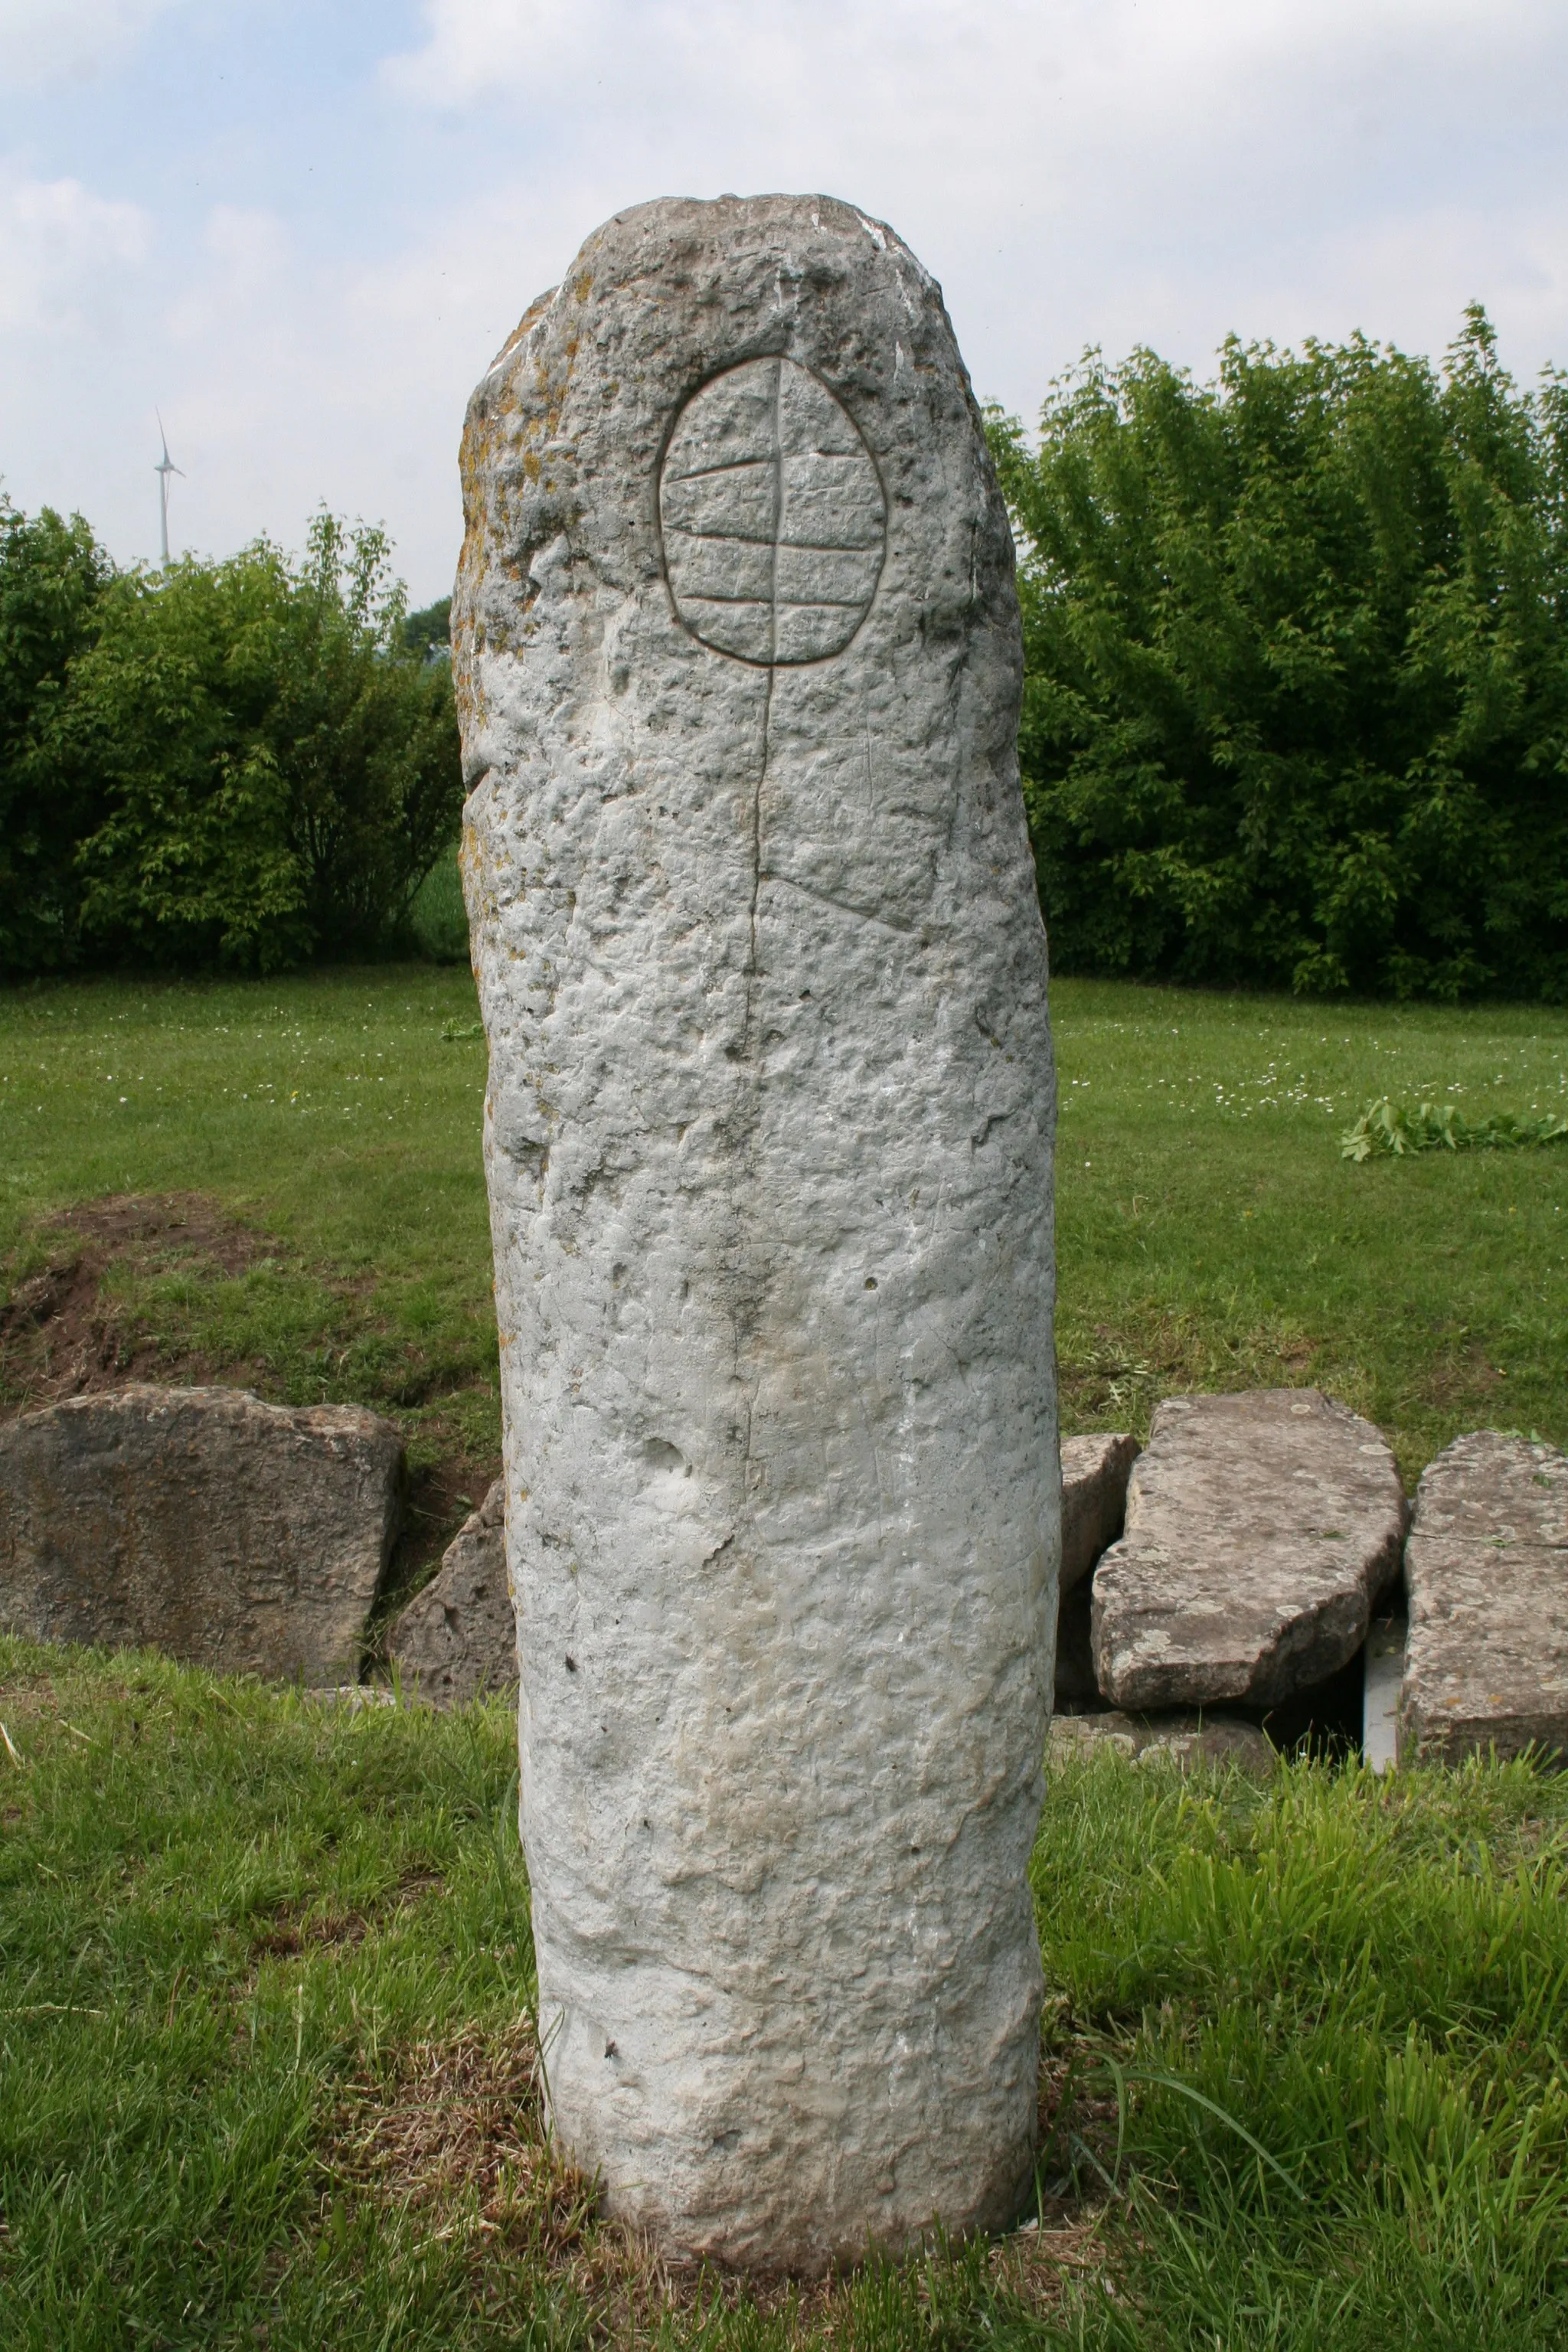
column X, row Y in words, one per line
column 300, row 229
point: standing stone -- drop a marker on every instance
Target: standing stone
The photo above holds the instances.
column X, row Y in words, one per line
column 244, row 1536
column 458, row 1638
column 768, row 1142
column 1260, row 1530
column 1485, row 1663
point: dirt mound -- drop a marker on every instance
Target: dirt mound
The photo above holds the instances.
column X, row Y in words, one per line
column 66, row 1332
column 62, row 1334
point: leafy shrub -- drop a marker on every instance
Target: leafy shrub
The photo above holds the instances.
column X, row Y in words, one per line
column 438, row 917
column 428, row 632
column 1296, row 708
column 51, row 577
column 1388, row 1129
column 252, row 765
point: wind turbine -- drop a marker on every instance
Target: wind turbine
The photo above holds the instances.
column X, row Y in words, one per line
column 164, row 468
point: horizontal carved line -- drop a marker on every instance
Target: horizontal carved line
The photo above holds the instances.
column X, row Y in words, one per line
column 730, row 466
column 791, row 546
column 783, row 458
column 782, row 604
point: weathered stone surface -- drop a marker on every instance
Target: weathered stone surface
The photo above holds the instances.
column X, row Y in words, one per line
column 1260, row 1530
column 1486, row 1663
column 768, row 1145
column 1095, row 1471
column 1094, row 1498
column 355, row 1698
column 459, row 1637
column 245, row 1537
column 1190, row 1742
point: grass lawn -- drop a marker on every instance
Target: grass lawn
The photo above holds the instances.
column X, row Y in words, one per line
column 320, row 1137
column 1210, row 1235
column 265, row 2064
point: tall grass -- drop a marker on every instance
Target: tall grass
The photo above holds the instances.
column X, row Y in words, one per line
column 1332, row 2021
column 265, row 2074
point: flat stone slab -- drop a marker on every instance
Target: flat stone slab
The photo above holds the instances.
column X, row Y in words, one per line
column 1486, row 1663
column 1094, row 1498
column 244, row 1536
column 1190, row 1742
column 459, row 1637
column 1261, row 1528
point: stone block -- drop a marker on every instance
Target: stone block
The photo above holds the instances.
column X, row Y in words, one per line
column 1261, row 1529
column 244, row 1536
column 459, row 1637
column 1095, row 1471
column 1486, row 1665
column 1191, row 1742
column 1382, row 1676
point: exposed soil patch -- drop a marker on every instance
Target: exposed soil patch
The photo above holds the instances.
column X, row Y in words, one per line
column 1111, row 1380
column 457, row 2136
column 456, row 2133
column 163, row 1231
column 64, row 1335
column 293, row 1930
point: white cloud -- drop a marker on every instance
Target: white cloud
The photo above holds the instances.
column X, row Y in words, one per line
column 42, row 39
column 59, row 247
column 1073, row 171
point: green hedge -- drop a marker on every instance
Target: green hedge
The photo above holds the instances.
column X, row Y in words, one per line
column 238, row 764
column 1296, row 642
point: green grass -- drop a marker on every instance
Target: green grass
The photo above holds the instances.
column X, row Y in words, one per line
column 265, row 2053
column 265, row 2057
column 329, row 1116
column 1210, row 1234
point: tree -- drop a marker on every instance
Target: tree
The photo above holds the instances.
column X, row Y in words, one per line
column 273, row 772
column 1296, row 709
column 428, row 632
column 52, row 575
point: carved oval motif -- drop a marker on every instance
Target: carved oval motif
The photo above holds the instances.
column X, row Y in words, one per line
column 772, row 515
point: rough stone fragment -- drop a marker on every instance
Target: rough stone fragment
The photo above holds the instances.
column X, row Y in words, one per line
column 459, row 1637
column 1260, row 1530
column 244, row 1536
column 1094, row 1498
column 1087, row 1735
column 1190, row 1742
column 355, row 1698
column 768, row 1144
column 1095, row 1471
column 1486, row 1665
